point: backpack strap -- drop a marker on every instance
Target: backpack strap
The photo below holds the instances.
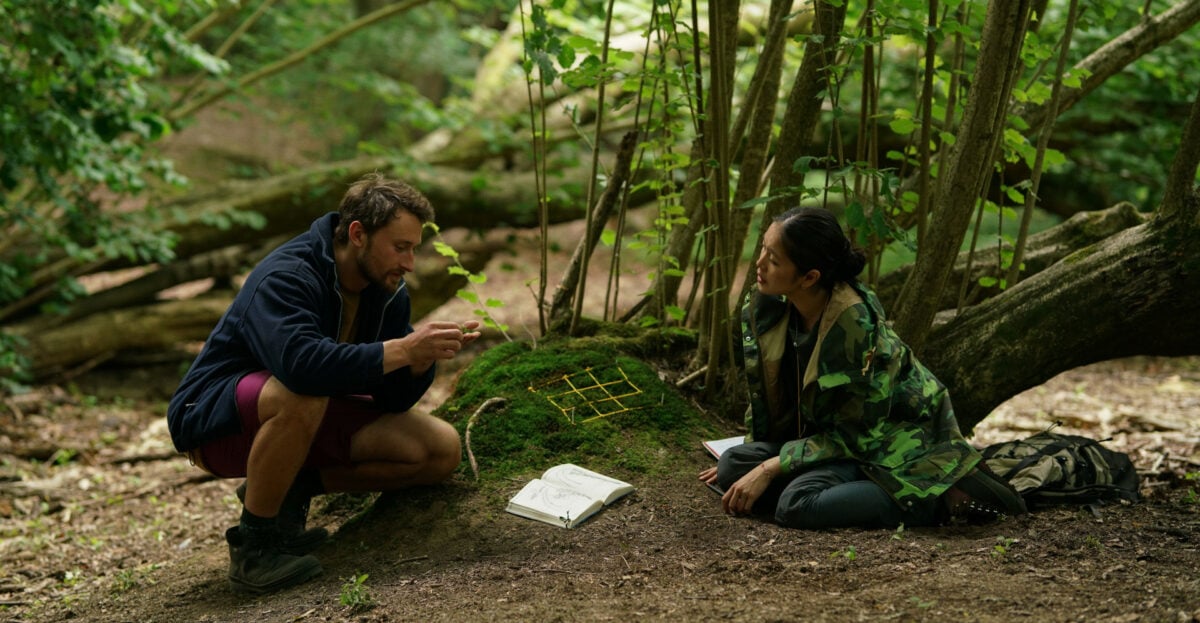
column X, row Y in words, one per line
column 1049, row 449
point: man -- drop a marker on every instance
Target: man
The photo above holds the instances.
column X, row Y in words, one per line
column 305, row 384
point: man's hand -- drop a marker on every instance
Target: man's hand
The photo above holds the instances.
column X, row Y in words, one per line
column 427, row 344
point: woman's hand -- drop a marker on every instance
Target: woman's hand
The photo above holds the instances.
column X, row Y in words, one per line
column 709, row 476
column 740, row 498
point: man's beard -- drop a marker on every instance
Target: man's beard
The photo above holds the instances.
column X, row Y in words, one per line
column 373, row 277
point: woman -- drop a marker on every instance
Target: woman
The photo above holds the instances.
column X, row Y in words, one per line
column 846, row 427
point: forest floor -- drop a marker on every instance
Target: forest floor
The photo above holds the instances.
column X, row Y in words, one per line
column 101, row 521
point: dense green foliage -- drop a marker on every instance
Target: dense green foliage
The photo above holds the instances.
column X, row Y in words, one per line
column 75, row 115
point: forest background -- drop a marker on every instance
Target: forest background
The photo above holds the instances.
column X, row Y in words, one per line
column 1033, row 162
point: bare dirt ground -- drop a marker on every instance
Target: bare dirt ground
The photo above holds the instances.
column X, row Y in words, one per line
column 101, row 521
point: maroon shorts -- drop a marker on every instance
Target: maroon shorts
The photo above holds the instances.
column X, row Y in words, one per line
column 344, row 416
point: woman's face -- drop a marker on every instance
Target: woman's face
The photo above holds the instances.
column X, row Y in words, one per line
column 776, row 272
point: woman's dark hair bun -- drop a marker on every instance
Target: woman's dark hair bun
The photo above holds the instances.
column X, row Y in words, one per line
column 813, row 238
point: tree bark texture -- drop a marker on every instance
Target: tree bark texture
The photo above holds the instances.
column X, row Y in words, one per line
column 1131, row 294
column 1179, row 200
column 461, row 198
column 1042, row 250
column 967, row 167
column 569, row 285
column 804, row 103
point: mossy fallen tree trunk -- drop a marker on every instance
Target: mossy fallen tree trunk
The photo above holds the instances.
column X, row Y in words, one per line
column 57, row 348
column 1042, row 250
column 289, row 202
column 1133, row 293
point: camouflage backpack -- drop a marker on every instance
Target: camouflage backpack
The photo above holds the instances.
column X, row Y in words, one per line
column 1049, row 468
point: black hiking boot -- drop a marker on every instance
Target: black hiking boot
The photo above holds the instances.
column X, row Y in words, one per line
column 293, row 517
column 258, row 566
column 981, row 497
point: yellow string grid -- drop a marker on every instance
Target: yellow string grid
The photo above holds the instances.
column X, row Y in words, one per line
column 590, row 394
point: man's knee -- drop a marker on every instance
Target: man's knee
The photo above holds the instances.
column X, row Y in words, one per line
column 445, row 450
column 277, row 402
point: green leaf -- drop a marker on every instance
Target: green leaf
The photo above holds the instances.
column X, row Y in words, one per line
column 608, row 237
column 445, row 249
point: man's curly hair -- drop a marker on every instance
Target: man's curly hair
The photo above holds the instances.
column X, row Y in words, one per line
column 375, row 200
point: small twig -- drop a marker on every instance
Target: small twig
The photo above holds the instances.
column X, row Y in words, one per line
column 155, row 488
column 471, row 422
column 691, row 377
column 413, row 559
column 143, row 458
column 16, row 411
column 1184, row 459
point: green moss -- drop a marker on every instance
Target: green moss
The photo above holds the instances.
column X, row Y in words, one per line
column 582, row 400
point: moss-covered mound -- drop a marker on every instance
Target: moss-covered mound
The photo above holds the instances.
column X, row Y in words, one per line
column 570, row 401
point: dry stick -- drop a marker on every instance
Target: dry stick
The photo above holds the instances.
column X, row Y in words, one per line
column 1184, row 460
column 471, row 422
column 166, row 455
column 691, row 377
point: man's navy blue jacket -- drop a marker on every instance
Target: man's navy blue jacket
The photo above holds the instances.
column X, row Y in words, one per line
column 286, row 319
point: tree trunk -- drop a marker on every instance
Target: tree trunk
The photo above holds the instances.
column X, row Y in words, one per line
column 461, row 198
column 290, row 202
column 804, row 103
column 1043, row 249
column 220, row 265
column 99, row 337
column 968, row 166
column 569, row 285
column 56, row 348
column 1131, row 294
column 1180, row 198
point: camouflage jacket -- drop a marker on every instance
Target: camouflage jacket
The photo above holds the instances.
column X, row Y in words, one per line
column 864, row 396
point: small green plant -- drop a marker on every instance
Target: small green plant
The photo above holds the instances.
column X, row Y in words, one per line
column 1190, row 496
column 849, row 553
column 898, row 535
column 128, row 579
column 71, row 578
column 468, row 294
column 62, row 456
column 1003, row 544
column 1092, row 541
column 921, row 603
column 355, row 594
